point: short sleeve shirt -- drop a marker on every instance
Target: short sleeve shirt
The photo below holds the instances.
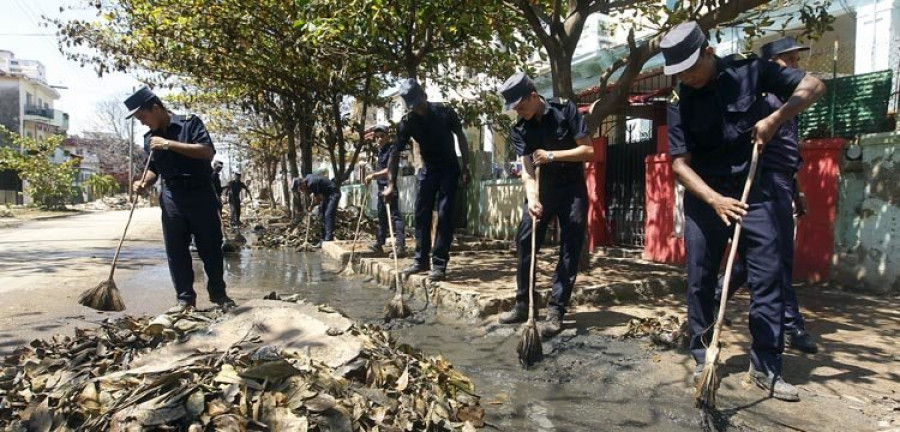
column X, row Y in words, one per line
column 169, row 164
column 383, row 156
column 783, row 152
column 435, row 134
column 559, row 127
column 714, row 123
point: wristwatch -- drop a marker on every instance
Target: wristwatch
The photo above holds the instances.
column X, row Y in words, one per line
column 550, row 156
column 165, row 145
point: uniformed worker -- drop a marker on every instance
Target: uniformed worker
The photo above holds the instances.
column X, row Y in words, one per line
column 326, row 194
column 233, row 189
column 181, row 153
column 783, row 154
column 382, row 139
column 716, row 118
column 551, row 135
column 217, row 181
column 433, row 126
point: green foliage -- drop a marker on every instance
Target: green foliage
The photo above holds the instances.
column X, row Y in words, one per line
column 102, row 185
column 48, row 184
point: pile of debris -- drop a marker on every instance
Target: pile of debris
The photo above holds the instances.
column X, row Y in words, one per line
column 154, row 375
column 6, row 213
column 292, row 234
column 116, row 202
column 668, row 331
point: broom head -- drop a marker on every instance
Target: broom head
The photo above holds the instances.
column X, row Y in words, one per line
column 529, row 348
column 103, row 297
column 396, row 309
column 708, row 383
column 349, row 270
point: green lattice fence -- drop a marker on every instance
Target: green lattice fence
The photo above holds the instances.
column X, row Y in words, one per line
column 852, row 106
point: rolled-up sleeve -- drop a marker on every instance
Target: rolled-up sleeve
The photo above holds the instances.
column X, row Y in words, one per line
column 779, row 80
column 678, row 145
column 199, row 134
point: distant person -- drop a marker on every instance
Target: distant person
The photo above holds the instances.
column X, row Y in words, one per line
column 181, row 153
column 326, row 194
column 233, row 189
column 217, row 180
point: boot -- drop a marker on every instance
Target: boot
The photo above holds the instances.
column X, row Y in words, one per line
column 774, row 385
column 552, row 325
column 801, row 341
column 518, row 314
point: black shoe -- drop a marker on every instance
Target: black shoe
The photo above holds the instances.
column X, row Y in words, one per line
column 401, row 252
column 774, row 385
column 225, row 303
column 414, row 268
column 182, row 307
column 552, row 325
column 377, row 248
column 518, row 314
column 438, row 275
column 800, row 340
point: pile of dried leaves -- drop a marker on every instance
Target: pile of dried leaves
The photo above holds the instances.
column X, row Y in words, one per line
column 82, row 383
column 668, row 330
column 292, row 234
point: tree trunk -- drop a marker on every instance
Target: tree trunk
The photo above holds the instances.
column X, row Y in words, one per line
column 289, row 204
column 561, row 71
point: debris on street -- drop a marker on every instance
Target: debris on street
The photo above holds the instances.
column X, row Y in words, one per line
column 270, row 365
column 283, row 233
column 668, row 331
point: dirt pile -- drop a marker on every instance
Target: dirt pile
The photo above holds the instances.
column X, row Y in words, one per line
column 280, row 232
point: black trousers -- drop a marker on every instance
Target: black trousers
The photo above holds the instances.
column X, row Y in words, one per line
column 396, row 219
column 435, row 185
column 766, row 227
column 568, row 203
column 193, row 212
column 328, row 214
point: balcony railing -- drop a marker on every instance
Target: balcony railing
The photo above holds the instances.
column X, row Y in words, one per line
column 52, row 116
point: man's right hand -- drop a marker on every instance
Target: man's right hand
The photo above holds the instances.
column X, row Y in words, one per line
column 535, row 209
column 388, row 191
column 138, row 187
column 729, row 209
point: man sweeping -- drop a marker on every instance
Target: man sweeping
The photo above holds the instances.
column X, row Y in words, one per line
column 234, row 188
column 383, row 156
column 717, row 117
column 783, row 154
column 181, row 153
column 326, row 194
column 433, row 126
column 550, row 134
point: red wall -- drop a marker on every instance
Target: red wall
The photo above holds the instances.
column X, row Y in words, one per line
column 595, row 177
column 815, row 232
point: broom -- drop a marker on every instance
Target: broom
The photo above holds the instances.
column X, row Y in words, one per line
column 529, row 348
column 305, row 247
column 105, row 296
column 708, row 384
column 396, row 309
column 348, row 271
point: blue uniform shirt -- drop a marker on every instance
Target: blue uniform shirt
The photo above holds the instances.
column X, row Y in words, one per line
column 171, row 165
column 714, row 123
column 382, row 157
column 319, row 185
column 434, row 133
column 559, row 127
column 783, row 152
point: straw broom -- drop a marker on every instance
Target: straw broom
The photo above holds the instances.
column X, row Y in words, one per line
column 105, row 296
column 396, row 309
column 349, row 271
column 529, row 348
column 708, row 384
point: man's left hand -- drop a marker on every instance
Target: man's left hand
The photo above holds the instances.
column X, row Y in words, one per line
column 159, row 143
column 763, row 131
column 540, row 157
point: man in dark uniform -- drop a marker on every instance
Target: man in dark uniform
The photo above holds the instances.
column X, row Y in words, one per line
column 217, row 180
column 326, row 194
column 717, row 118
column 433, row 126
column 181, row 151
column 551, row 135
column 782, row 154
column 381, row 176
column 233, row 189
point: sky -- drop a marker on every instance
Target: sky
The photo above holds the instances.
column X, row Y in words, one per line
column 21, row 33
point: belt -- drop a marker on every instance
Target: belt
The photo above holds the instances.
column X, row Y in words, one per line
column 187, row 183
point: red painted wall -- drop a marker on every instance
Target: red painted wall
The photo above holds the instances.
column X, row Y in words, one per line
column 660, row 243
column 815, row 232
column 595, row 177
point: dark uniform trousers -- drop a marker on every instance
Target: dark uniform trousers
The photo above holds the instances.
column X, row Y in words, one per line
column 192, row 210
column 328, row 213
column 439, row 183
column 766, row 227
column 396, row 218
column 235, row 213
column 568, row 203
